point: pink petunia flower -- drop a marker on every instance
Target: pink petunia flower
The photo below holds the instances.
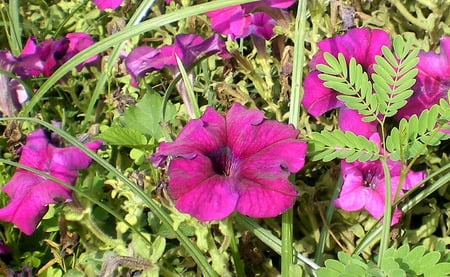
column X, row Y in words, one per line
column 432, row 81
column 362, row 44
column 107, row 4
column 188, row 48
column 30, row 193
column 240, row 162
column 247, row 19
column 45, row 57
column 364, row 188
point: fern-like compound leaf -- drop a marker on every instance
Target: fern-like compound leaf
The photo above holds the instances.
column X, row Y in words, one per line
column 343, row 145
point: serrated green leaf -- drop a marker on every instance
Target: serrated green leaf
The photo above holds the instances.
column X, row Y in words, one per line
column 344, row 257
column 334, row 265
column 146, row 115
column 355, row 270
column 441, row 269
column 122, row 136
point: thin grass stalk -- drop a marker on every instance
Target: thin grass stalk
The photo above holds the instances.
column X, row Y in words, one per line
column 269, row 239
column 114, row 56
column 123, row 35
column 387, row 217
column 192, row 249
column 318, row 258
column 187, row 92
column 15, row 28
column 294, row 116
column 238, row 264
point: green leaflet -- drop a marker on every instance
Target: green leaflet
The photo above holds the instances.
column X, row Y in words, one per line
column 412, row 136
column 343, row 145
column 396, row 262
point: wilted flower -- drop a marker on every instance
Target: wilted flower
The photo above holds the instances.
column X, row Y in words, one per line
column 364, row 188
column 12, row 93
column 248, row 19
column 107, row 4
column 240, row 161
column 432, row 81
column 45, row 57
column 30, row 193
column 187, row 47
column 360, row 43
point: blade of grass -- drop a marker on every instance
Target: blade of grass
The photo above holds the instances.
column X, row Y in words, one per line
column 294, row 115
column 15, row 28
column 187, row 92
column 318, row 258
column 123, row 35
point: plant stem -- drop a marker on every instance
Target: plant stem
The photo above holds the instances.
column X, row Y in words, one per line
column 238, row 265
column 294, row 115
column 387, row 218
column 318, row 258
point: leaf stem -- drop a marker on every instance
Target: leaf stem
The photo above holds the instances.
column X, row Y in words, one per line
column 387, row 217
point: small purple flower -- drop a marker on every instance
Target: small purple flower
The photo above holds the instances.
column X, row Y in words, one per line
column 432, row 81
column 364, row 187
column 360, row 43
column 242, row 20
column 107, row 4
column 45, row 57
column 240, row 161
column 188, row 48
column 30, row 193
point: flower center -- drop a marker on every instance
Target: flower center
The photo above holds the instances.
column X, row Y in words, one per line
column 223, row 161
column 370, row 177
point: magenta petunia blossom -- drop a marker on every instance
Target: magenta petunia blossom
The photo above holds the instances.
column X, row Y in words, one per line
column 30, row 193
column 240, row 162
column 362, row 44
column 432, row 81
column 187, row 47
column 107, row 4
column 364, row 188
column 247, row 19
column 45, row 57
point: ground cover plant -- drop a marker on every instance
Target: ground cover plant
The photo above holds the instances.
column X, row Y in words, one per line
column 224, row 138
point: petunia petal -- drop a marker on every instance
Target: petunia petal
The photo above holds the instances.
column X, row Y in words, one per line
column 213, row 199
column 258, row 201
column 201, row 135
column 351, row 120
column 187, row 174
column 318, row 99
column 249, row 133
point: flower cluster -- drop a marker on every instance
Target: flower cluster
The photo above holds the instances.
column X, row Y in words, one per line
column 240, row 161
column 29, row 192
column 248, row 19
column 363, row 186
column 36, row 59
